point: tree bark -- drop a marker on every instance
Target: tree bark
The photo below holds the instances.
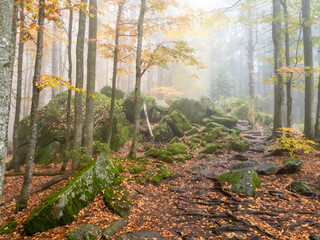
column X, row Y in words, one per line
column 115, row 71
column 6, row 62
column 77, row 142
column 278, row 84
column 308, row 64
column 54, row 59
column 25, row 191
column 251, row 72
column 317, row 130
column 91, row 77
column 69, row 116
column 15, row 159
column 137, row 100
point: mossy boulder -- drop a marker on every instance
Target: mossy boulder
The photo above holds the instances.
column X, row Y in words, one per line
column 155, row 175
column 241, row 112
column 117, row 199
column 194, row 110
column 114, row 227
column 178, row 123
column 107, row 90
column 264, row 119
column 61, row 206
column 291, row 165
column 242, row 165
column 141, row 235
column 267, row 169
column 157, row 109
column 240, row 145
column 85, row 232
column 211, row 149
column 163, row 132
column 52, row 128
column 177, row 148
column 193, row 131
column 8, row 228
column 303, row 188
column 227, row 122
column 243, row 180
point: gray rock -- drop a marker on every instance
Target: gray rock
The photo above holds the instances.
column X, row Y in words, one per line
column 113, row 228
column 207, row 173
column 142, row 235
column 291, row 165
column 267, row 169
column 314, row 236
column 277, row 193
column 179, row 190
column 243, row 165
column 54, row 148
column 303, row 188
column 86, row 232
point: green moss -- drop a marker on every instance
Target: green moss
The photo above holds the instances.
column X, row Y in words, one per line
column 61, row 207
column 192, row 131
column 117, row 199
column 227, row 122
column 163, row 132
column 165, row 158
column 202, row 156
column 241, row 112
column 8, row 228
column 210, row 149
column 107, row 90
column 177, row 148
column 174, row 140
column 240, row 145
column 155, row 175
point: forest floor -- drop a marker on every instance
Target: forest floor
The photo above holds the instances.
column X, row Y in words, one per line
column 190, row 204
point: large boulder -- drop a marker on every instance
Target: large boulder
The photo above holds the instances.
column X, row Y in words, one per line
column 52, row 128
column 107, row 90
column 178, row 123
column 140, row 235
column 228, row 122
column 157, row 110
column 61, row 206
column 194, row 110
column 163, row 133
column 291, row 165
column 243, row 179
column 267, row 168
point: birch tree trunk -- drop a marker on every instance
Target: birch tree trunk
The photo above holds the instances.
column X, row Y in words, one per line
column 6, row 62
column 25, row 191
column 137, row 105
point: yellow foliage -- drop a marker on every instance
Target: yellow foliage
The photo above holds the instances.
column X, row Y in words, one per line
column 292, row 140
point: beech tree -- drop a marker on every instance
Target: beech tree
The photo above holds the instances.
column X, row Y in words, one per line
column 25, row 191
column 6, row 62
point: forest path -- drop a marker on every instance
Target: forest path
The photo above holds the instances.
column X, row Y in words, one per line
column 192, row 205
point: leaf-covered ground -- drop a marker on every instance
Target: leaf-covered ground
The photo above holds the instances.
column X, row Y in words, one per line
column 190, row 204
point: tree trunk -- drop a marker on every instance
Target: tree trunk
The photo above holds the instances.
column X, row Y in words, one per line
column 137, row 105
column 16, row 165
column 114, row 74
column 69, row 117
column 91, row 76
column 288, row 63
column 77, row 142
column 6, row 62
column 308, row 64
column 25, row 191
column 317, row 130
column 278, row 84
column 54, row 59
column 251, row 72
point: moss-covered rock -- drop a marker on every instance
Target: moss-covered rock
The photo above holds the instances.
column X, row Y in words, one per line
column 242, row 180
column 174, row 140
column 114, row 227
column 303, row 188
column 107, row 90
column 291, row 165
column 163, row 133
column 177, row 148
column 241, row 112
column 61, row 206
column 178, row 123
column 8, row 228
column 157, row 110
column 267, row 169
column 85, row 232
column 264, row 119
column 52, row 128
column 193, row 131
column 227, row 122
column 155, row 175
column 117, row 199
column 210, row 149
column 240, row 145
column 194, row 110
